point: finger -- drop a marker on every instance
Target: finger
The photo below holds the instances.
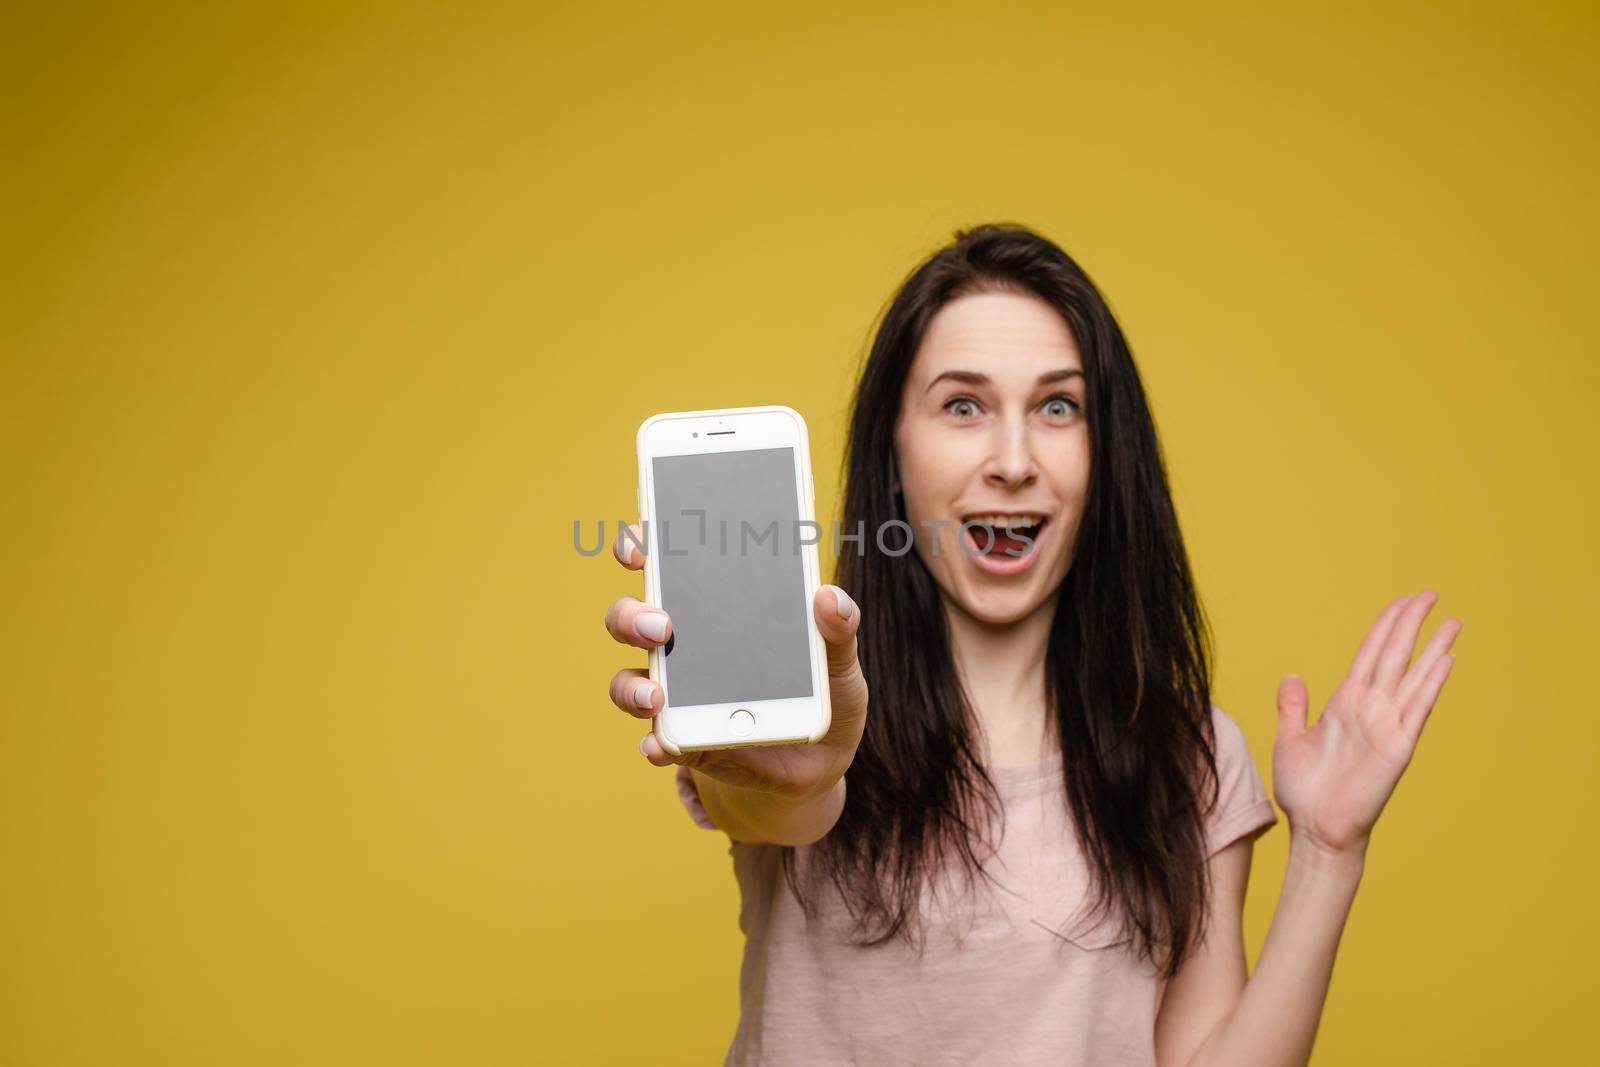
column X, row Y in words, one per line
column 629, row 547
column 651, row 749
column 1414, row 716
column 636, row 623
column 1403, row 641
column 634, row 692
column 1367, row 655
column 838, row 618
column 1294, row 703
column 1443, row 637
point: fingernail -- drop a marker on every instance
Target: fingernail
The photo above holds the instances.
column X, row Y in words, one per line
column 642, row 694
column 842, row 603
column 642, row 752
column 652, row 625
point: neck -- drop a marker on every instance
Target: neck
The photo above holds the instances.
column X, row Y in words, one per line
column 1001, row 667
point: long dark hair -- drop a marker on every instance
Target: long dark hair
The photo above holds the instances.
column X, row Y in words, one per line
column 1127, row 667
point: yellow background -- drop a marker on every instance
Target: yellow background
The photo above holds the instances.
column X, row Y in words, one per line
column 322, row 325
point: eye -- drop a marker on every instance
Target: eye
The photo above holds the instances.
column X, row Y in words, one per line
column 1060, row 406
column 962, row 407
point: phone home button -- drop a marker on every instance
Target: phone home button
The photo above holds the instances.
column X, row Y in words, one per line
column 742, row 723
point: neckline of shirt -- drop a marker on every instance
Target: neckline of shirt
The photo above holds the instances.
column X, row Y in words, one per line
column 1012, row 776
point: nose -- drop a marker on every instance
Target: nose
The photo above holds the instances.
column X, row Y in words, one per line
column 1010, row 463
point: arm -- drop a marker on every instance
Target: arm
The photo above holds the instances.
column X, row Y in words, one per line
column 1211, row 1014
column 1332, row 780
column 756, row 816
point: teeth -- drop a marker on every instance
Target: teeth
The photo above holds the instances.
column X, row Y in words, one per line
column 1007, row 522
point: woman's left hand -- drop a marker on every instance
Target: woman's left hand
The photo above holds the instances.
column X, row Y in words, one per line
column 1333, row 779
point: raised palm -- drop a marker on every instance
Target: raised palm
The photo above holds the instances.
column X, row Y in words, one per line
column 1334, row 778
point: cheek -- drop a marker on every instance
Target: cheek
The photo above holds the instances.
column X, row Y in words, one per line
column 918, row 502
column 935, row 466
column 1068, row 471
column 1070, row 482
column 931, row 478
column 929, row 484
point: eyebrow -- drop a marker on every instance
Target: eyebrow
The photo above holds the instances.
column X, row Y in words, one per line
column 972, row 377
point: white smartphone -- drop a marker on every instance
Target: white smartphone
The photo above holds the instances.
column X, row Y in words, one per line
column 727, row 511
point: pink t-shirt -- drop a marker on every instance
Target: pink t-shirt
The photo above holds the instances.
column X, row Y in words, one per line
column 1012, row 975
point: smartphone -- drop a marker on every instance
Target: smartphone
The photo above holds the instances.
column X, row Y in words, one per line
column 727, row 510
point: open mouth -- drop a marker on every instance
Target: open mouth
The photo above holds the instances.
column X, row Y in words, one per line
column 1003, row 536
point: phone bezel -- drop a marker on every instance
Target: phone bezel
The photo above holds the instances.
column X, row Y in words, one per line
column 791, row 720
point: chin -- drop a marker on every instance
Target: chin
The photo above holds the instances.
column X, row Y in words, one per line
column 1001, row 608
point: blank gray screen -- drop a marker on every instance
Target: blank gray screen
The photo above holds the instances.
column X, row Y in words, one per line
column 733, row 580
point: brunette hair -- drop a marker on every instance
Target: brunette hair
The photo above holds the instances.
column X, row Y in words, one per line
column 1127, row 666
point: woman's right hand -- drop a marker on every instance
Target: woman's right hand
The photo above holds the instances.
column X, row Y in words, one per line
column 795, row 771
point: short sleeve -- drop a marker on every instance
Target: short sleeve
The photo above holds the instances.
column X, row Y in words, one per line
column 1243, row 808
column 691, row 799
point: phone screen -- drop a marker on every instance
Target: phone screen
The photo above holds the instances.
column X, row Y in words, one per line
column 732, row 577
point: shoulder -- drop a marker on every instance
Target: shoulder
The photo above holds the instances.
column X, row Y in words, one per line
column 1242, row 805
column 1232, row 746
column 1227, row 731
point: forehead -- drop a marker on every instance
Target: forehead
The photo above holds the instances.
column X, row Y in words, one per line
column 989, row 332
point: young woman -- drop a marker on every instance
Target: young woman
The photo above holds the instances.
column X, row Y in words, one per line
column 1039, row 852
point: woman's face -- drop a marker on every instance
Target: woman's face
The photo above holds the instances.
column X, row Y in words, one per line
column 992, row 426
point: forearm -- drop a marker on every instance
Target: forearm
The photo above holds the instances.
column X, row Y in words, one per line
column 1275, row 1021
column 770, row 818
